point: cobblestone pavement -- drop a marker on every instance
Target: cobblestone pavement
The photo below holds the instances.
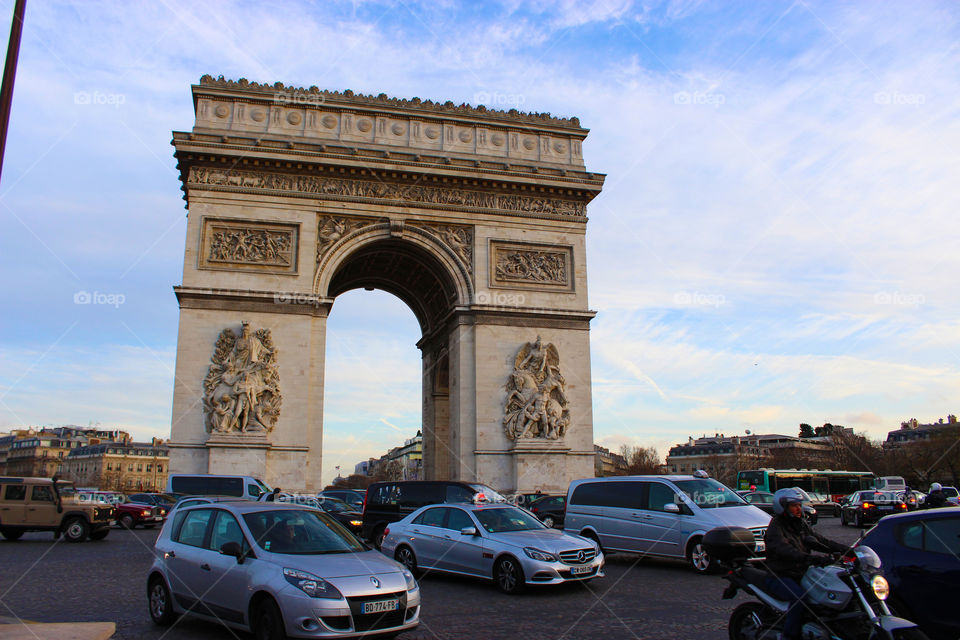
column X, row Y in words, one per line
column 46, row 581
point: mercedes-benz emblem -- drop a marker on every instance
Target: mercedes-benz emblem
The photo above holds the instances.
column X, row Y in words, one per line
column 375, row 581
column 581, row 556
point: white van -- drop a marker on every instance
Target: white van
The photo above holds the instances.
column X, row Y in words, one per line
column 659, row 515
column 196, row 484
column 890, row 483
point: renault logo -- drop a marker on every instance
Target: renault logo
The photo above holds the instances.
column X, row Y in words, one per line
column 581, row 556
column 375, row 581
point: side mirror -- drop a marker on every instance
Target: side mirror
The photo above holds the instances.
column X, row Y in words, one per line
column 671, row 507
column 468, row 531
column 232, row 549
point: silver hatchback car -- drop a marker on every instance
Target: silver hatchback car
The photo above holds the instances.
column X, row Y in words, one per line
column 277, row 569
column 494, row 541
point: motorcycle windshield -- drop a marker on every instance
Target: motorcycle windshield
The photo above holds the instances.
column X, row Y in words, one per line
column 867, row 557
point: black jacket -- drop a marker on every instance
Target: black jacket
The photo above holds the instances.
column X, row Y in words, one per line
column 935, row 500
column 790, row 542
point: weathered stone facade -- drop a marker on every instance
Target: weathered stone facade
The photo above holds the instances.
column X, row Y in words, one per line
column 475, row 218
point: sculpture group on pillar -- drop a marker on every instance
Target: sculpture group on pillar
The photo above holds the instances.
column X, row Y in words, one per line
column 536, row 404
column 241, row 391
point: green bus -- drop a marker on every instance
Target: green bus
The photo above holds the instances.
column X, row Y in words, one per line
column 825, row 484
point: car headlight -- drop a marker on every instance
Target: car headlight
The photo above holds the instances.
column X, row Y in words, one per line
column 356, row 523
column 880, row 586
column 411, row 581
column 313, row 586
column 536, row 554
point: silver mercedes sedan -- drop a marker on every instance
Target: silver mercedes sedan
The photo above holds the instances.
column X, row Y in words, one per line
column 278, row 570
column 494, row 541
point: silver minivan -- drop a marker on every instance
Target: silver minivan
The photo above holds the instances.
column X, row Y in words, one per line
column 658, row 515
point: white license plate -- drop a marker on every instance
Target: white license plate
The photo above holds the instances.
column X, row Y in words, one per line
column 158, row 518
column 578, row 571
column 761, row 547
column 380, row 606
column 886, row 508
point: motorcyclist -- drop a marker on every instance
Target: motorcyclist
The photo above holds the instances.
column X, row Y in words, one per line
column 937, row 498
column 910, row 498
column 790, row 543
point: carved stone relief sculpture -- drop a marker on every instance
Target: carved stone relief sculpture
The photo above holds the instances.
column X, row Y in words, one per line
column 241, row 392
column 339, row 188
column 532, row 266
column 332, row 228
column 458, row 238
column 536, row 405
column 249, row 245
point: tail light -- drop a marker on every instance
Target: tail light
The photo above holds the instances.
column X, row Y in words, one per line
column 386, row 532
column 868, row 505
column 364, row 507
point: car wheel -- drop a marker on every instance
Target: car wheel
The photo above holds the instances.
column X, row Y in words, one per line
column 99, row 535
column 158, row 598
column 699, row 559
column 126, row 521
column 11, row 534
column 549, row 521
column 406, row 557
column 859, row 521
column 508, row 576
column 747, row 622
column 268, row 621
column 589, row 535
column 843, row 521
column 76, row 530
column 378, row 537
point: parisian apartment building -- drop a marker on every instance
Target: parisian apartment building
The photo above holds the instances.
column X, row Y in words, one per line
column 105, row 459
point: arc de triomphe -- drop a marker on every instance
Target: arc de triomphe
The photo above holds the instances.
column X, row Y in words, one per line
column 475, row 218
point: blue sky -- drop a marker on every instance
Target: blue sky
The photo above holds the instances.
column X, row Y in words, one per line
column 775, row 243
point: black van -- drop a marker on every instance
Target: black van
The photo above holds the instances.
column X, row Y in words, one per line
column 391, row 501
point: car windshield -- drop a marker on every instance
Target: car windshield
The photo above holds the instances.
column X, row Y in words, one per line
column 503, row 519
column 707, row 493
column 332, row 505
column 950, row 492
column 489, row 495
column 882, row 496
column 66, row 490
column 300, row 532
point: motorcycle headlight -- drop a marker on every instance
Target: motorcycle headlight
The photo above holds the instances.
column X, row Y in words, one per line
column 313, row 586
column 880, row 586
column 411, row 581
column 536, row 554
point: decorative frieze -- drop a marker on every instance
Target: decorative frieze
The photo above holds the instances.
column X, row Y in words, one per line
column 381, row 192
column 243, row 245
column 546, row 266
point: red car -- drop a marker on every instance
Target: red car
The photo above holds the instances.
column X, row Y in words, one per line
column 131, row 514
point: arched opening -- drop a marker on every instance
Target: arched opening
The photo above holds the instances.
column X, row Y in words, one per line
column 419, row 278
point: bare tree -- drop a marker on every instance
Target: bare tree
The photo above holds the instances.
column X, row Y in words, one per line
column 641, row 460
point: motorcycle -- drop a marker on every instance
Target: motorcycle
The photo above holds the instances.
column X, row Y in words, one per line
column 844, row 600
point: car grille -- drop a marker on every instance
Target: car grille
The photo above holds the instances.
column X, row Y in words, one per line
column 373, row 621
column 572, row 557
column 102, row 513
column 758, row 533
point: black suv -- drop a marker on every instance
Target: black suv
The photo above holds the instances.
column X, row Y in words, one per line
column 391, row 501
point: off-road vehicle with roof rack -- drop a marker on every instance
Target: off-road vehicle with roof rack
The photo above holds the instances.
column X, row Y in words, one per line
column 47, row 504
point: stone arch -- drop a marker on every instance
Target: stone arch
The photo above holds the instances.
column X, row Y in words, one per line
column 432, row 279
